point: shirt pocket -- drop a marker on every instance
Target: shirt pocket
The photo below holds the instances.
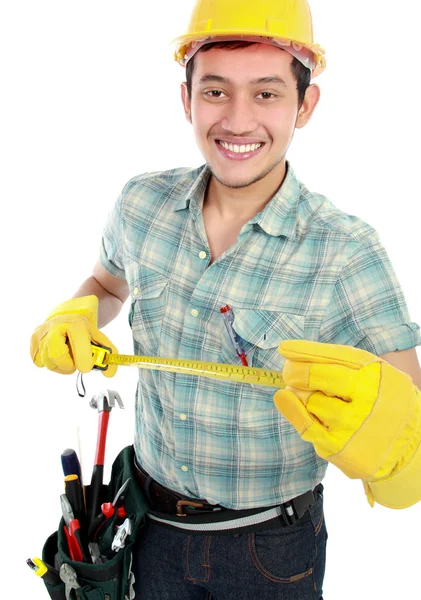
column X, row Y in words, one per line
column 148, row 295
column 262, row 331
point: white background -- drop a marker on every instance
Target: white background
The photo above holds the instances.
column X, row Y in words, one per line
column 90, row 98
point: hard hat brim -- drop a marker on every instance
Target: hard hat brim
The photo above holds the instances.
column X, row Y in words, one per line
column 181, row 44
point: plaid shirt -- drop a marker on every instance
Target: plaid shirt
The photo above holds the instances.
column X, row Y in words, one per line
column 300, row 269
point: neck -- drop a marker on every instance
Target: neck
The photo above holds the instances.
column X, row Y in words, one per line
column 245, row 202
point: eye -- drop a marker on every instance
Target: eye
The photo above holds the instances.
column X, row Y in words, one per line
column 214, row 93
column 266, row 95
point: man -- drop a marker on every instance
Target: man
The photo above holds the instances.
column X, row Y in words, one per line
column 234, row 483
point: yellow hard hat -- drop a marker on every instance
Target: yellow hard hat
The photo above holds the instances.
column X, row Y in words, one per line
column 286, row 23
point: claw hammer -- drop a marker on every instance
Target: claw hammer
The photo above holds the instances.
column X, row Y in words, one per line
column 104, row 401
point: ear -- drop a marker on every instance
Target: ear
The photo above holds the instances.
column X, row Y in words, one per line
column 311, row 99
column 186, row 101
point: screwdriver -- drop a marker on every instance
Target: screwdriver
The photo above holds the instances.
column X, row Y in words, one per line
column 70, row 463
column 74, row 493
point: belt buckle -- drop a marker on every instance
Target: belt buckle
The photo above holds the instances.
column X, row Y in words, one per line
column 184, row 503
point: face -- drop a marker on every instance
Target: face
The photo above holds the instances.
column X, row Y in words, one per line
column 244, row 109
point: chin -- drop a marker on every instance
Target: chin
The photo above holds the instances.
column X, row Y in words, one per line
column 235, row 183
column 242, row 180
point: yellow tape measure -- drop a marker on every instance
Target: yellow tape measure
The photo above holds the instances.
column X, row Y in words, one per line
column 104, row 357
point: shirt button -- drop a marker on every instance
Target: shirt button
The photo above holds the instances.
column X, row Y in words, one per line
column 194, row 312
column 202, row 255
column 136, row 291
column 184, row 468
column 183, row 417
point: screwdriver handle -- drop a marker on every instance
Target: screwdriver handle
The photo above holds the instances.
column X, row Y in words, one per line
column 71, row 464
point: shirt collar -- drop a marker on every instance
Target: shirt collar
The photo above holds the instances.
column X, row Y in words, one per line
column 279, row 217
column 194, row 193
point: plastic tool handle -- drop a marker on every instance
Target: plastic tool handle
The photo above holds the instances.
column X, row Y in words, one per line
column 75, row 550
column 75, row 496
column 75, row 533
column 71, row 464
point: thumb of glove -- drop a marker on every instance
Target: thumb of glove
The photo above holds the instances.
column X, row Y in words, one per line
column 291, row 407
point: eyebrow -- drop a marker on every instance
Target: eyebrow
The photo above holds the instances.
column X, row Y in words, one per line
column 271, row 79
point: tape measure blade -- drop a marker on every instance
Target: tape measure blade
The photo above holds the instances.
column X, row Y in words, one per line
column 211, row 370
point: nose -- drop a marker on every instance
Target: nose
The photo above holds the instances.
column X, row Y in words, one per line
column 239, row 117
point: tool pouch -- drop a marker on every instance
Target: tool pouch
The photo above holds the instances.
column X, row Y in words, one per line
column 113, row 579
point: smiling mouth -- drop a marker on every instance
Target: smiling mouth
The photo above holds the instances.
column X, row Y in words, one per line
column 243, row 149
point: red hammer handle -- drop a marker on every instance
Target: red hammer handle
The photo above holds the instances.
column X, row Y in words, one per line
column 104, row 417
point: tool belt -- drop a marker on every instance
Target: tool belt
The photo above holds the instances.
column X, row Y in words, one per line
column 111, row 578
column 164, row 500
column 198, row 516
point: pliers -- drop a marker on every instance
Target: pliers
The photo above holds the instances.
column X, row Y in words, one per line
column 69, row 577
column 107, row 511
column 74, row 536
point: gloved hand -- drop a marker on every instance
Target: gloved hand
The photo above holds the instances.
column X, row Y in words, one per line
column 63, row 342
column 360, row 413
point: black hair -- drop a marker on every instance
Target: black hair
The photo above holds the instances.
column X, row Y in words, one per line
column 301, row 73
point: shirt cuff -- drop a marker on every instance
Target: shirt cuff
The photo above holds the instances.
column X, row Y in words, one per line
column 391, row 339
column 109, row 266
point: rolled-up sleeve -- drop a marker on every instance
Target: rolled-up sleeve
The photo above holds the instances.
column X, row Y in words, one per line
column 368, row 309
column 111, row 253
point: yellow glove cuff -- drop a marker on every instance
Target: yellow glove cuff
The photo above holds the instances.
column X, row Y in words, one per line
column 360, row 413
column 374, row 450
column 400, row 490
column 78, row 306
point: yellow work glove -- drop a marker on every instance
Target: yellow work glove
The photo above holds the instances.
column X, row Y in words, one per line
column 63, row 342
column 360, row 413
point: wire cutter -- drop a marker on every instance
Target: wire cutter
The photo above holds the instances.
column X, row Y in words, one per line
column 108, row 509
column 72, row 532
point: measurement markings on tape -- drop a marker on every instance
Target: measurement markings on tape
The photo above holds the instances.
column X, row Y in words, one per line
column 211, row 370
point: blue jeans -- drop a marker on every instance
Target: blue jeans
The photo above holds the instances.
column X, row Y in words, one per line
column 286, row 563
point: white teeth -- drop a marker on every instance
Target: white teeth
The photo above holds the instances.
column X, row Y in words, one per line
column 240, row 149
